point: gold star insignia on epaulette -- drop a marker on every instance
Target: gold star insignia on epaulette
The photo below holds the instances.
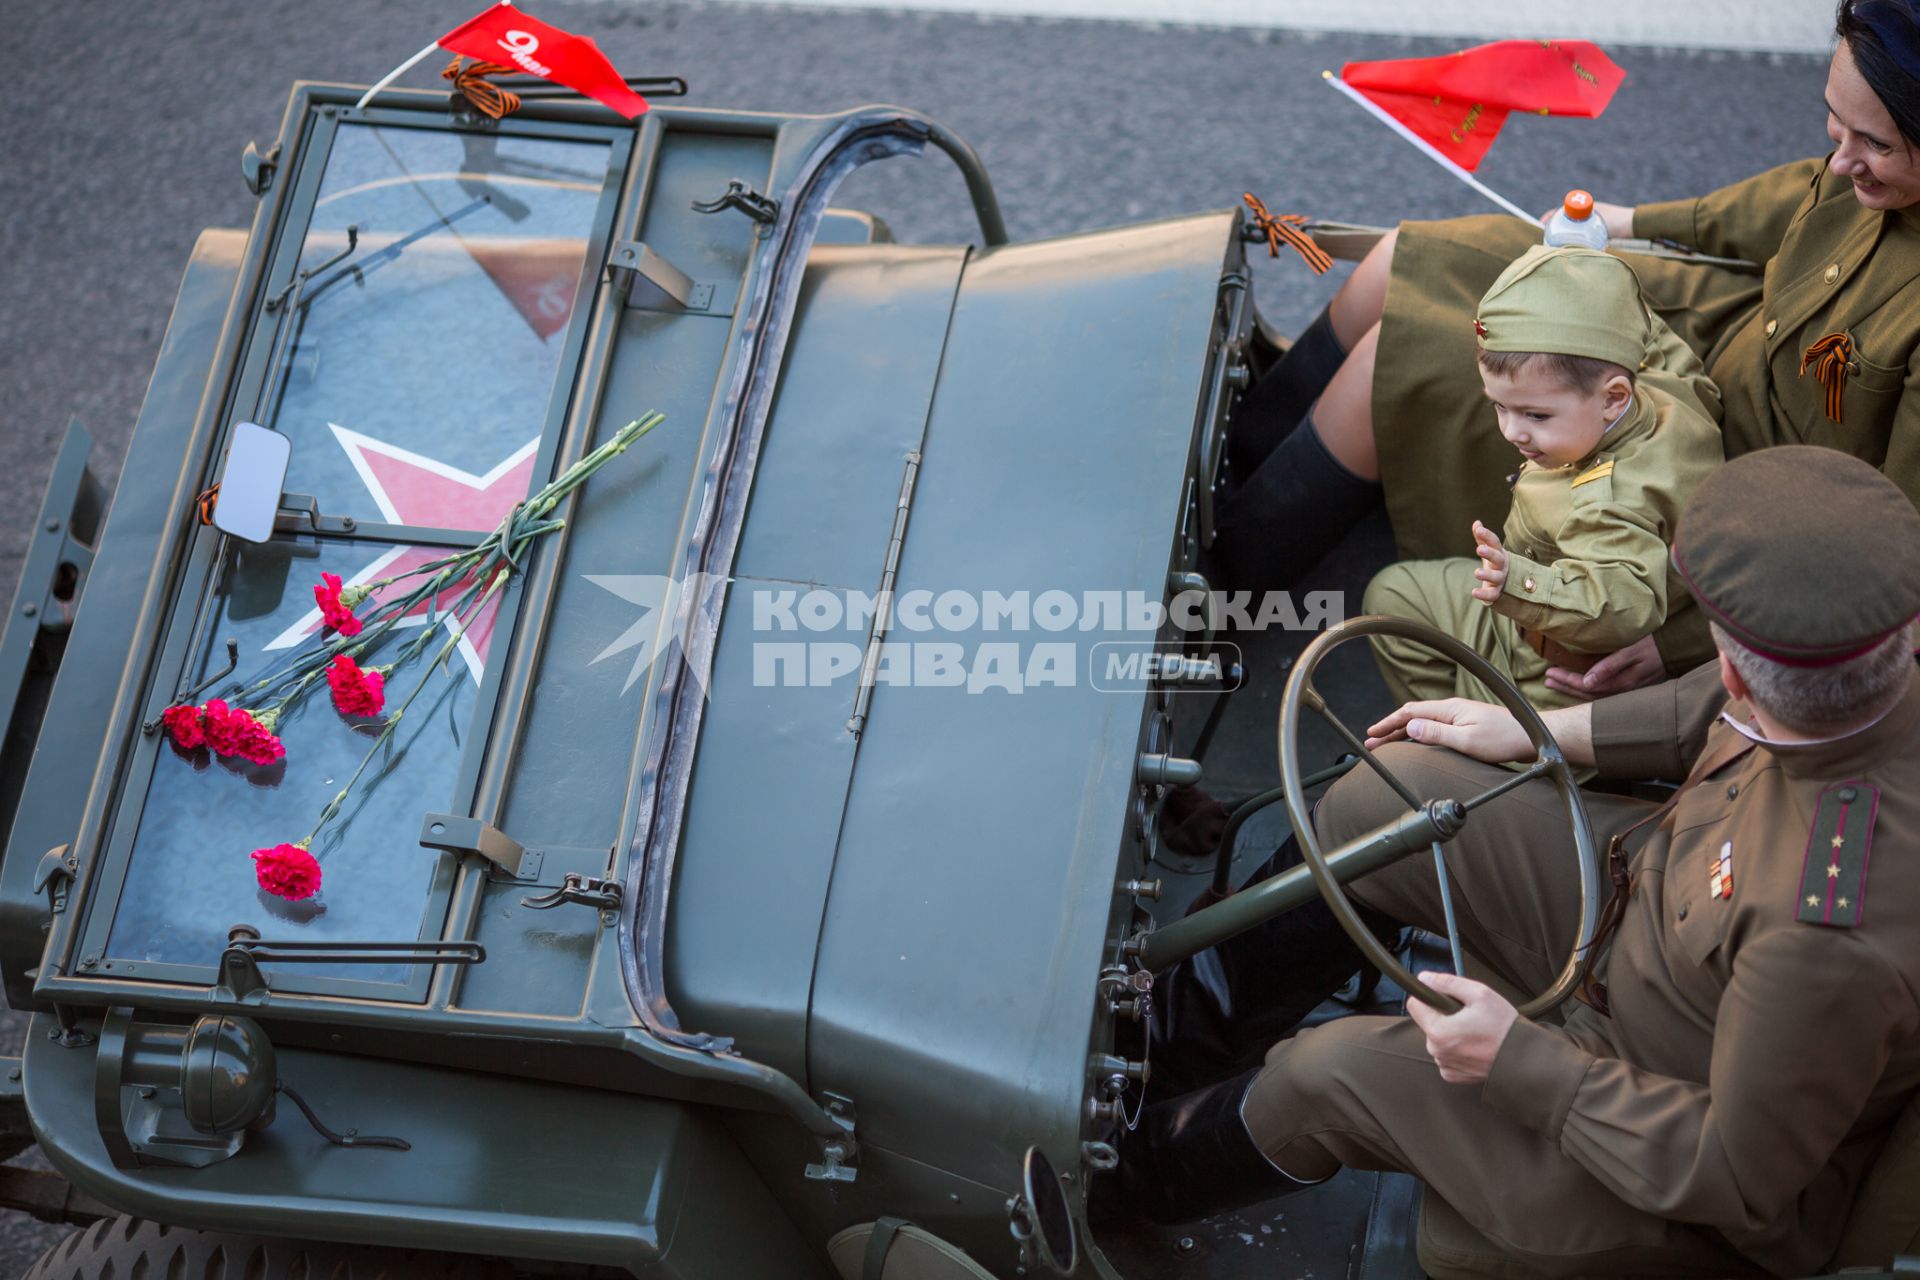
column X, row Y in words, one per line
column 1833, row 891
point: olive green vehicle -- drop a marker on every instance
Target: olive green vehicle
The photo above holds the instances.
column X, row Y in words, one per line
column 637, row 952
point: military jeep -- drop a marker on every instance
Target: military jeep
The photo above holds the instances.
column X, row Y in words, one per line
column 699, row 922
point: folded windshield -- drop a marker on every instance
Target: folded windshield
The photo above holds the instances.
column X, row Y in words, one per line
column 418, row 347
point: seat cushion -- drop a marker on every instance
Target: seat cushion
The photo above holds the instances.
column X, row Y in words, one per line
column 914, row 1255
column 1886, row 1213
column 1450, row 1249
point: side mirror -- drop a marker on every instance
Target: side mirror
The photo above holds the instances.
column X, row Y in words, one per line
column 251, row 481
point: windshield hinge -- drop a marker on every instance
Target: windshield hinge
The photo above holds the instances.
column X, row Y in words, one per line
column 453, row 833
column 883, row 612
column 839, row 1156
column 648, row 282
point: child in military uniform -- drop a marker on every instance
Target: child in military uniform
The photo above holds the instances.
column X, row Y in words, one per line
column 1580, row 568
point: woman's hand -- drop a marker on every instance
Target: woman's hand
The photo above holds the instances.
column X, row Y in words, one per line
column 1481, row 730
column 1634, row 667
column 1617, row 218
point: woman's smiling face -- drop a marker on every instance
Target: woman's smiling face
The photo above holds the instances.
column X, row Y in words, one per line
column 1868, row 147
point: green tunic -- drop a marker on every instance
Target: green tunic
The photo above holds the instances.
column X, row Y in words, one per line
column 1587, row 559
column 1832, row 266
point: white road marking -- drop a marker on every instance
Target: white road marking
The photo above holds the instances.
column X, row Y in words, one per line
column 1784, row 26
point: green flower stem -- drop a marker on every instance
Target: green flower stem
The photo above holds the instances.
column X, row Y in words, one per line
column 308, row 666
column 504, row 546
column 439, row 660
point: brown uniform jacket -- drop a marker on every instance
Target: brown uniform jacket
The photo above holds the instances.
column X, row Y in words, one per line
column 1832, row 266
column 1753, row 1060
column 1587, row 543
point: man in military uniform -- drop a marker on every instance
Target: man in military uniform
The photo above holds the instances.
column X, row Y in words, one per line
column 1712, row 1104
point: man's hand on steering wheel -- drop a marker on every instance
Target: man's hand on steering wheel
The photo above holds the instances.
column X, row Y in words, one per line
column 1464, row 1044
column 1483, row 730
column 1514, row 731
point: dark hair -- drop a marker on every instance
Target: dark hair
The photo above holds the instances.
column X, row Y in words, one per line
column 1577, row 373
column 1884, row 39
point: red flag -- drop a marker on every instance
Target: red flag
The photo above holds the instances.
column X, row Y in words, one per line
column 1458, row 102
column 516, row 38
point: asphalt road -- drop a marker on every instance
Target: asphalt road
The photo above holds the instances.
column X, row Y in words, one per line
column 123, row 129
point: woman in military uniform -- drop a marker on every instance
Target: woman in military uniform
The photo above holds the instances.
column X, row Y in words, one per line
column 1818, row 347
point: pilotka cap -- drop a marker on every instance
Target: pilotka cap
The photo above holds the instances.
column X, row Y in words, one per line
column 1805, row 555
column 1568, row 301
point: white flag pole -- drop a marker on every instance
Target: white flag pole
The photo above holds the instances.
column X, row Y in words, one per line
column 396, row 73
column 1427, row 148
column 407, row 66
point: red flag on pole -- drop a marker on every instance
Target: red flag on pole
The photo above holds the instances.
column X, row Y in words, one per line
column 1458, row 102
column 516, row 38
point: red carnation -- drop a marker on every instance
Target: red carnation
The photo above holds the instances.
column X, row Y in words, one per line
column 356, row 691
column 218, row 727
column 287, row 871
column 337, row 615
column 232, row 731
column 184, row 727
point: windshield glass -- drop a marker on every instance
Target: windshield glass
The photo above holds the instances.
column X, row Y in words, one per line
column 419, row 348
column 417, row 371
column 189, row 877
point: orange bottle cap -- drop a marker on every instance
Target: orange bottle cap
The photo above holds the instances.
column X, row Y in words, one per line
column 1578, row 204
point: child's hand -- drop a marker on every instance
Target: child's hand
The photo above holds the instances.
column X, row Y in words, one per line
column 1492, row 572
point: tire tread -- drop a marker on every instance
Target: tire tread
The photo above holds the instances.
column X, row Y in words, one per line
column 130, row 1248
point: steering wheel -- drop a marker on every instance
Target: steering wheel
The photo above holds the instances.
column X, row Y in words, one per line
column 1448, row 816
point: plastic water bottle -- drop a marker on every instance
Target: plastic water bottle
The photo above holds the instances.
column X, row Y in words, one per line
column 1574, row 223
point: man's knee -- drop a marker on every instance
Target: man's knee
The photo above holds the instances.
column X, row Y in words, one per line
column 1297, row 1083
column 1359, row 802
column 1324, row 1078
column 1311, row 1061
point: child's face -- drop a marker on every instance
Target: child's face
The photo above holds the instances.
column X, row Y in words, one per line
column 1548, row 421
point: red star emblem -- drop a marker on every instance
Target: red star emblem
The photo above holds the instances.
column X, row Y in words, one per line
column 412, row 489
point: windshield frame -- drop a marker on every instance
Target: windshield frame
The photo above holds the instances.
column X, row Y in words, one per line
column 193, row 602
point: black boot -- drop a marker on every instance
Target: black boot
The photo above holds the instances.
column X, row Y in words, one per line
column 1278, row 403
column 1284, row 518
column 1191, row 1157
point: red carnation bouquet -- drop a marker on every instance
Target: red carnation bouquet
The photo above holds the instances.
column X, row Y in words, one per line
column 242, row 724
